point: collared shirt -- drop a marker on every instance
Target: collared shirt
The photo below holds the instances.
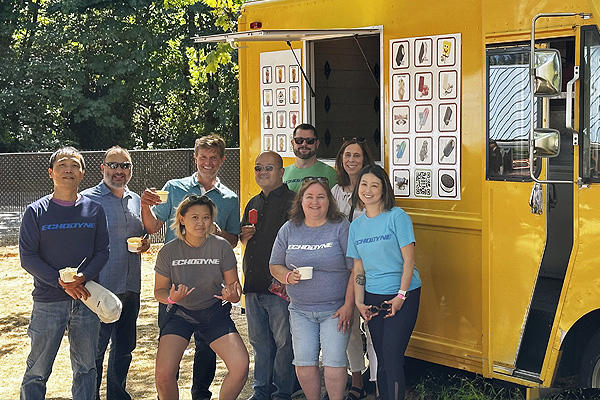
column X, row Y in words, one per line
column 272, row 214
column 122, row 272
column 228, row 205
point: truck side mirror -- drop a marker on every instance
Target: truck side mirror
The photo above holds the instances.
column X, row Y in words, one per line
column 546, row 142
column 548, row 75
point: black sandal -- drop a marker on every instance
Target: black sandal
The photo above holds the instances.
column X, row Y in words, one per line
column 362, row 393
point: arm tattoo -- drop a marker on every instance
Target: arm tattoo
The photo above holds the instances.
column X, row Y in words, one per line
column 360, row 279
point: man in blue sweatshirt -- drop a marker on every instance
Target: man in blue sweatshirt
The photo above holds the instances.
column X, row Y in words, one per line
column 63, row 229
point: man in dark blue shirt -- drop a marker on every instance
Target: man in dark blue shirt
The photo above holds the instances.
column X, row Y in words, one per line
column 122, row 273
column 267, row 314
column 63, row 229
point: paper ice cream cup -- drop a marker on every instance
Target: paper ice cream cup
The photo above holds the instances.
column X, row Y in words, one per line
column 305, row 272
column 133, row 243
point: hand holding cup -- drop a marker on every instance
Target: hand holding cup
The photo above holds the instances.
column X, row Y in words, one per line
column 150, row 197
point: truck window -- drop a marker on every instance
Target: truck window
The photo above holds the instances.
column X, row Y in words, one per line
column 590, row 85
column 347, row 96
column 508, row 113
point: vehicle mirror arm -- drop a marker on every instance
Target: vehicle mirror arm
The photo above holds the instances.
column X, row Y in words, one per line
column 532, row 83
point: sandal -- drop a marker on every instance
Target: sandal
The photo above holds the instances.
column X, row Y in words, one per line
column 362, row 393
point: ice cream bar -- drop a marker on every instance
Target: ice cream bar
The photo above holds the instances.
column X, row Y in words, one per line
column 447, row 115
column 253, row 216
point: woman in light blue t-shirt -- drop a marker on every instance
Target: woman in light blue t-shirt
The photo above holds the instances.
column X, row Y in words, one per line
column 321, row 306
column 387, row 285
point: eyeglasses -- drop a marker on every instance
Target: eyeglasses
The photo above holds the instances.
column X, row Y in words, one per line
column 358, row 139
column 321, row 179
column 115, row 165
column 308, row 140
column 268, row 168
column 383, row 308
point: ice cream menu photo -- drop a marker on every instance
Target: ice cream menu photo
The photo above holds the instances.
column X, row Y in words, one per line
column 281, row 100
column 424, row 110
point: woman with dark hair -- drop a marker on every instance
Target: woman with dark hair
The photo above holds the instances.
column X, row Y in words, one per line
column 351, row 158
column 320, row 307
column 196, row 276
column 387, row 284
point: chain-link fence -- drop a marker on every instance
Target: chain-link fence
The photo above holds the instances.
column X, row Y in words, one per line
column 24, row 179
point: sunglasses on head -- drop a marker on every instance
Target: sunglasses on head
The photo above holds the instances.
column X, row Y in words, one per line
column 321, row 179
column 354, row 139
column 383, row 308
column 196, row 198
column 308, row 140
column 268, row 168
column 115, row 165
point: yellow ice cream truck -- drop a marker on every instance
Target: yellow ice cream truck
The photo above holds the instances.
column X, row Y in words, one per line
column 493, row 150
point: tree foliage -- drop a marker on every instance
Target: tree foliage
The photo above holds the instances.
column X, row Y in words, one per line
column 95, row 73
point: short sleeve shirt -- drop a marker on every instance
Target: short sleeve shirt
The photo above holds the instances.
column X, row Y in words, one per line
column 377, row 242
column 199, row 267
column 324, row 249
column 272, row 214
column 228, row 205
column 293, row 175
column 344, row 202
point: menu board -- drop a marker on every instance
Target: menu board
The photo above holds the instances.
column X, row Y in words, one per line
column 425, row 111
column 280, row 99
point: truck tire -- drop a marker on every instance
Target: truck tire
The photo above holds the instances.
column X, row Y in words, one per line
column 589, row 372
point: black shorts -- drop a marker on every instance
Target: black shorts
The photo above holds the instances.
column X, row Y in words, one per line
column 210, row 323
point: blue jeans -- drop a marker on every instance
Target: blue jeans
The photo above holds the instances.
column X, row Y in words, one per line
column 46, row 330
column 314, row 330
column 122, row 337
column 269, row 335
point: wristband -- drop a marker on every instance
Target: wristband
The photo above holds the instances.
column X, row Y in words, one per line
column 287, row 276
column 170, row 301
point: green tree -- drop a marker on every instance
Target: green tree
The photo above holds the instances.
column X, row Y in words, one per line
column 96, row 73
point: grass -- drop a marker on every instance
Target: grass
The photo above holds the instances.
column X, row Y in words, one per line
column 428, row 381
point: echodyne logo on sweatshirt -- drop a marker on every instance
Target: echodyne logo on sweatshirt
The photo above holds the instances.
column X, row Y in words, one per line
column 72, row 225
column 196, row 261
column 310, row 246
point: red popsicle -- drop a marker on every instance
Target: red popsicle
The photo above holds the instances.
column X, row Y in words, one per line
column 253, row 216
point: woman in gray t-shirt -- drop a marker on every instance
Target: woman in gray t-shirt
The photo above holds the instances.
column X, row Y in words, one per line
column 196, row 276
column 320, row 307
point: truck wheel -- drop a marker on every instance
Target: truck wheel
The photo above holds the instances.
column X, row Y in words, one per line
column 589, row 373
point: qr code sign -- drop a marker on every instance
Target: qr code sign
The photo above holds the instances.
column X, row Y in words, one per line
column 423, row 183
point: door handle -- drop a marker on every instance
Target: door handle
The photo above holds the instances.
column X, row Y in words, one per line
column 569, row 105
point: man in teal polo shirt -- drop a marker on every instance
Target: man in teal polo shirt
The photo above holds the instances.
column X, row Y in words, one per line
column 209, row 154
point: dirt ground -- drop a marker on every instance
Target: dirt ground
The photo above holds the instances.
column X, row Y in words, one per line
column 16, row 304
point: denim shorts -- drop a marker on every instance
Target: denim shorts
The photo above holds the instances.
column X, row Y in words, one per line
column 314, row 330
column 210, row 323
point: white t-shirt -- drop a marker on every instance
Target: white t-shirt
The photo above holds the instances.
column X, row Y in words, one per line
column 344, row 202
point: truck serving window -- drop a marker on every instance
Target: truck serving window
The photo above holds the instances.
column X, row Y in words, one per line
column 590, row 93
column 508, row 113
column 345, row 73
